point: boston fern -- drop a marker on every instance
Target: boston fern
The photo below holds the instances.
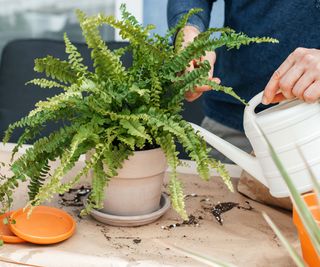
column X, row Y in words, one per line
column 115, row 111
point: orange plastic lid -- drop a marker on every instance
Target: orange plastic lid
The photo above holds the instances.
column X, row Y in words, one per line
column 46, row 225
column 5, row 233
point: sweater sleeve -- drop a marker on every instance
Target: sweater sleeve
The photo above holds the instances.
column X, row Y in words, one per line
column 177, row 8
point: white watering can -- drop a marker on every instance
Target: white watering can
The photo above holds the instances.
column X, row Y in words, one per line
column 288, row 125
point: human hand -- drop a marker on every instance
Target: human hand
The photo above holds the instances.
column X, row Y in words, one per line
column 190, row 33
column 298, row 76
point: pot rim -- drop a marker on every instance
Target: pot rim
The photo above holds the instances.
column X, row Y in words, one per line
column 147, row 150
column 310, row 201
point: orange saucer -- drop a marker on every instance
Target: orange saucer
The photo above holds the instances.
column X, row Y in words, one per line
column 5, row 233
column 46, row 225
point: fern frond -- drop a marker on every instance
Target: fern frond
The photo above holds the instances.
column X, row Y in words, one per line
column 225, row 89
column 136, row 129
column 101, row 91
column 236, row 40
column 75, row 58
column 223, row 173
column 121, row 51
column 64, row 100
column 166, row 141
column 107, row 65
column 187, row 82
column 37, row 180
column 32, row 123
column 197, row 148
column 95, row 157
column 182, row 23
column 99, row 181
column 56, row 69
column 127, row 16
column 44, row 148
column 136, row 34
column 202, row 44
column 177, row 197
column 156, row 90
column 44, row 83
column 135, row 94
column 183, row 131
column 114, row 156
column 206, row 34
column 57, row 107
column 68, row 158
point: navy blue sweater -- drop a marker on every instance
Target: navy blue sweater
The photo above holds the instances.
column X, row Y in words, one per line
column 295, row 23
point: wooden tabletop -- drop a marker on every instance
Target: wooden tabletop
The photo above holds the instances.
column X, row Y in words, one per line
column 244, row 239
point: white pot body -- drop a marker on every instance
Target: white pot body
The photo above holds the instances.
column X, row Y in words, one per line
column 136, row 190
column 290, row 126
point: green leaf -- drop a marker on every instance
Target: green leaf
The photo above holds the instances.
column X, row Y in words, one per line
column 56, row 69
column 182, row 23
column 135, row 128
column 44, row 83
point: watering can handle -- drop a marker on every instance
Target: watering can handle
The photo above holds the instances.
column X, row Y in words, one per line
column 253, row 103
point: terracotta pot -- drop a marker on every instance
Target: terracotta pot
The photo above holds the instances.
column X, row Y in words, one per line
column 137, row 188
column 309, row 254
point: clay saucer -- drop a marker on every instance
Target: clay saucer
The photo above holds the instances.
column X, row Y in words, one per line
column 46, row 225
column 115, row 220
column 5, row 233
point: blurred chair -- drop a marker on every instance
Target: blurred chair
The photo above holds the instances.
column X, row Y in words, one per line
column 16, row 68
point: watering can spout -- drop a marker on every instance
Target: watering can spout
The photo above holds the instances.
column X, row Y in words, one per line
column 246, row 161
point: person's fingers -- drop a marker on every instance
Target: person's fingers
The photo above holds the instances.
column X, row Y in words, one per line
column 289, row 79
column 302, row 84
column 273, row 84
column 215, row 79
column 203, row 88
column 278, row 98
column 190, row 66
column 312, row 93
column 196, row 63
column 191, row 96
column 198, row 90
column 271, row 88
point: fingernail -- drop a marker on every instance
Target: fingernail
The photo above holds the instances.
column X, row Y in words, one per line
column 265, row 100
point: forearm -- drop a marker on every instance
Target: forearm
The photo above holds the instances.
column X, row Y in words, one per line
column 177, row 8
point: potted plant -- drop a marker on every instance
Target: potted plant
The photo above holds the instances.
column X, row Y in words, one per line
column 116, row 114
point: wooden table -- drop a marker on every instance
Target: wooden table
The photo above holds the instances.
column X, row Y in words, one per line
column 244, row 239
